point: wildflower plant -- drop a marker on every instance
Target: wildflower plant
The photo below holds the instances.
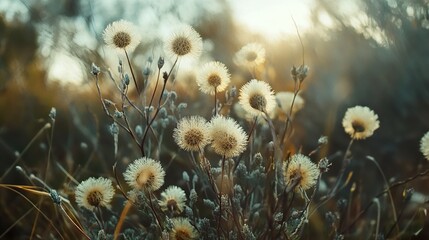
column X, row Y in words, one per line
column 207, row 174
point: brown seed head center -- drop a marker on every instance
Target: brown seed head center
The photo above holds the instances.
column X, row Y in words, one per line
column 214, row 80
column 258, row 102
column 251, row 56
column 145, row 179
column 193, row 137
column 181, row 46
column 182, row 234
column 228, row 142
column 295, row 177
column 358, row 126
column 122, row 39
column 172, row 205
column 94, row 198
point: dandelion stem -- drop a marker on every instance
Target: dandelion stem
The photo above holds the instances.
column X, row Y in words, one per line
column 345, row 163
column 297, row 88
column 220, row 194
column 377, row 202
column 154, row 90
column 215, row 101
column 395, row 217
column 132, row 71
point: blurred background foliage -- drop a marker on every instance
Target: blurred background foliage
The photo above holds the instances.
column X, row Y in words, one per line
column 378, row 57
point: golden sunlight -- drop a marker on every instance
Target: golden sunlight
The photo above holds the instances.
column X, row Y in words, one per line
column 273, row 19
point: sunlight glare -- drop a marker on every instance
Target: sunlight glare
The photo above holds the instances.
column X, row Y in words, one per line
column 273, row 18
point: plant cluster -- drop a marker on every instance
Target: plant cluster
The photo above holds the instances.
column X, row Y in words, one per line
column 245, row 178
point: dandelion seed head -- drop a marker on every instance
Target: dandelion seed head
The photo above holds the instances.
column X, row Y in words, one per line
column 182, row 229
column 284, row 103
column 424, row 145
column 213, row 76
column 185, row 41
column 301, row 169
column 94, row 192
column 256, row 97
column 121, row 35
column 250, row 55
column 173, row 199
column 191, row 133
column 228, row 138
column 360, row 122
column 145, row 174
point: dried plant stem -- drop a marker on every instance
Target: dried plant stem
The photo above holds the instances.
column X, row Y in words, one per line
column 158, row 220
column 392, row 203
column 19, row 156
column 132, row 72
column 157, row 109
column 297, row 88
column 377, row 228
column 215, row 101
column 220, row 195
column 252, row 129
column 49, row 150
column 15, row 223
column 154, row 91
column 394, row 185
column 345, row 163
column 121, row 219
column 126, row 128
column 38, row 209
column 125, row 96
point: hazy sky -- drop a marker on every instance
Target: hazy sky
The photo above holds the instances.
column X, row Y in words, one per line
column 273, row 17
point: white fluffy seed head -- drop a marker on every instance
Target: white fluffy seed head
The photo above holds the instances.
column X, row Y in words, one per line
column 94, row 192
column 145, row 174
column 360, row 122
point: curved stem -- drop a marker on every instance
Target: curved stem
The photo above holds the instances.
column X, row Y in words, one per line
column 377, row 202
column 395, row 217
column 345, row 163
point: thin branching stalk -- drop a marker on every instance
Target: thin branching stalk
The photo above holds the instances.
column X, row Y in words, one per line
column 158, row 219
column 394, row 185
column 15, row 223
column 128, row 130
column 19, row 156
column 157, row 109
column 38, row 209
column 132, row 72
column 392, row 203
